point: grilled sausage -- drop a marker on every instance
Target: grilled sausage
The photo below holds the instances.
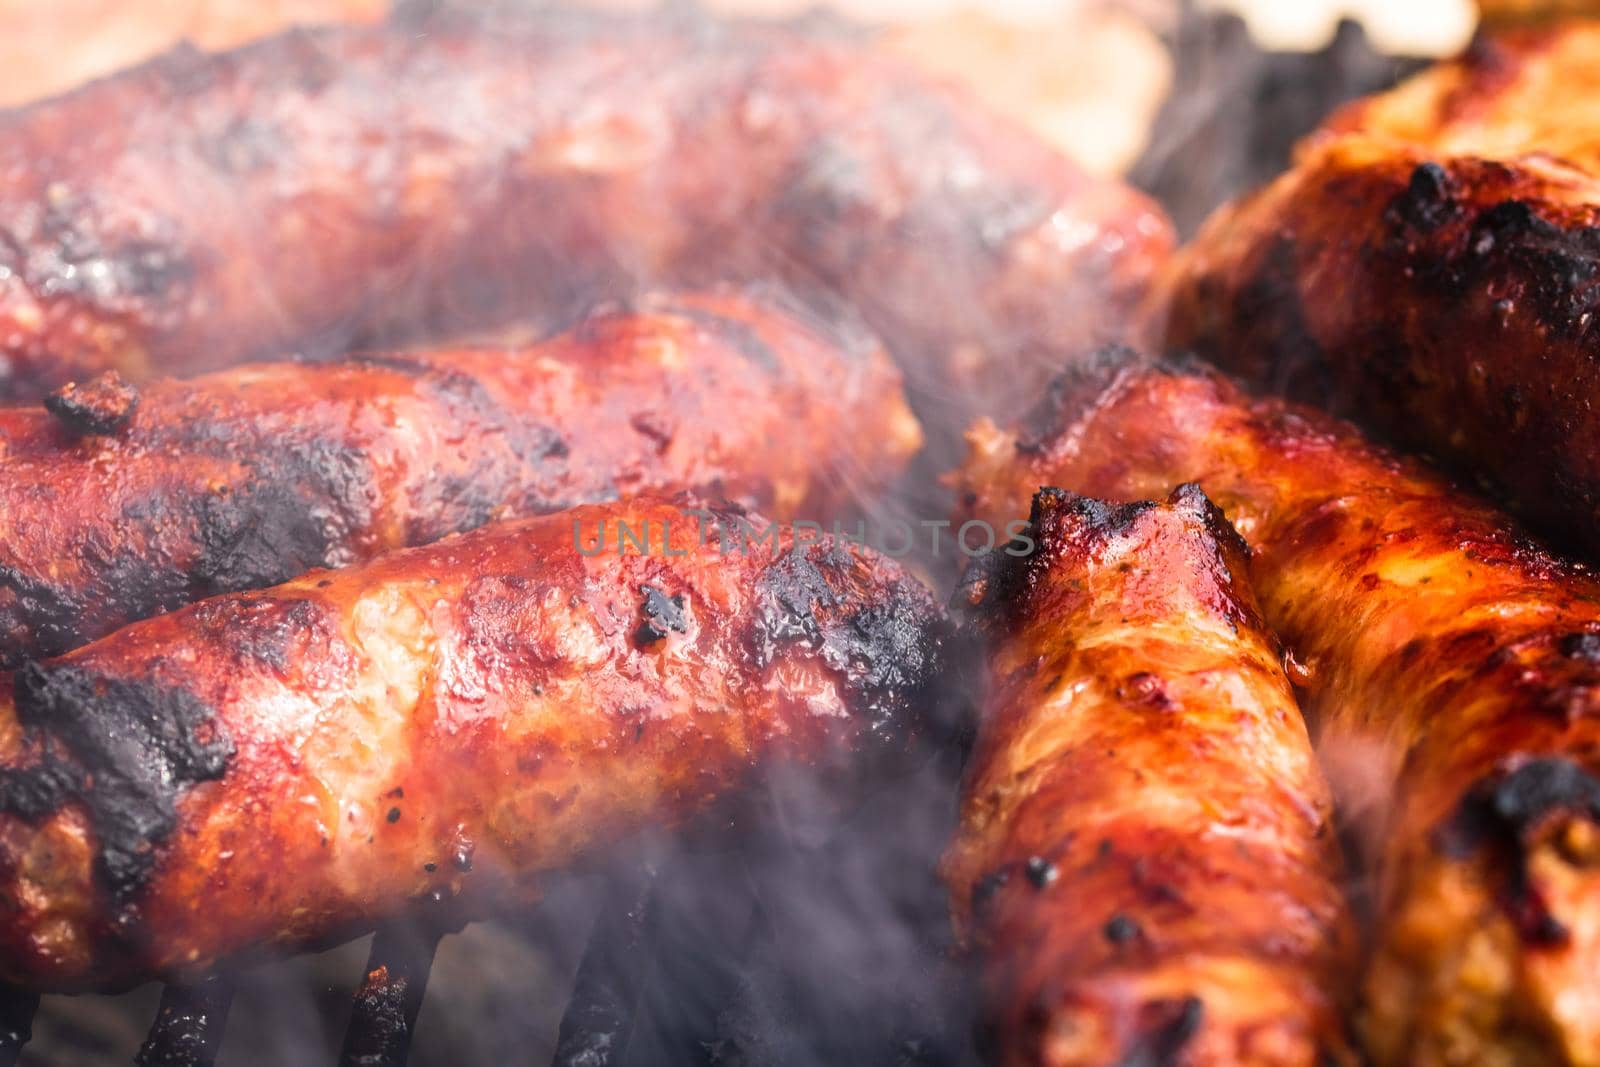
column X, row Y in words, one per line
column 1145, row 856
column 1459, row 658
column 1430, row 267
column 117, row 504
column 364, row 183
column 270, row 770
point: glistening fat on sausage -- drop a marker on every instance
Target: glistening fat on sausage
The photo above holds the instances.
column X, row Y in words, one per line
column 1145, row 860
column 275, row 769
column 118, row 504
column 1460, row 657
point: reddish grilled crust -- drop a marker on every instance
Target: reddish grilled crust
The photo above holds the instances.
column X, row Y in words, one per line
column 1459, row 660
column 338, row 184
column 271, row 770
column 1432, row 269
column 254, row 475
column 1146, row 859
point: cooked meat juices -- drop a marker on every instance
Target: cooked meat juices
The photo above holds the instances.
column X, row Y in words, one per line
column 1462, row 656
column 117, row 503
column 275, row 769
column 1431, row 267
column 1145, row 858
column 329, row 186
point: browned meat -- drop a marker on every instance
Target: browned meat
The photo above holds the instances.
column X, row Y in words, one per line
column 117, row 504
column 1431, row 267
column 1146, row 859
column 371, row 182
column 274, row 769
column 1457, row 660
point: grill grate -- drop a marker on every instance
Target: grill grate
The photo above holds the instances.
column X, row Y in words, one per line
column 16, row 1023
column 691, row 994
column 605, row 996
column 384, row 1014
column 188, row 1027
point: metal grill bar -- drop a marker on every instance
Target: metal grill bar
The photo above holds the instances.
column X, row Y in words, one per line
column 605, row 997
column 189, row 1024
column 385, row 1010
column 16, row 1023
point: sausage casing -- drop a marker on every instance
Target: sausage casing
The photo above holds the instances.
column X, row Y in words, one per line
column 1146, row 859
column 1428, row 268
column 1459, row 661
column 361, row 184
column 251, row 476
column 274, row 769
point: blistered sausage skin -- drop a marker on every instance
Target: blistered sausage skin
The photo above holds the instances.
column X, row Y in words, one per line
column 1460, row 660
column 1145, row 859
column 251, row 476
column 364, row 183
column 271, row 770
column 1428, row 269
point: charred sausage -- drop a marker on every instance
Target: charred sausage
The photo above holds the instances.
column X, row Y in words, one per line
column 118, row 503
column 276, row 769
column 1431, row 269
column 350, row 184
column 1145, row 859
column 1459, row 659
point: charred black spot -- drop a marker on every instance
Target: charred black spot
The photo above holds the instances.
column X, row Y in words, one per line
column 1514, row 805
column 997, row 580
column 129, row 750
column 1192, row 498
column 1071, row 392
column 1558, row 265
column 522, row 465
column 295, row 513
column 1584, row 647
column 260, row 629
column 37, row 790
column 986, row 888
column 150, row 270
column 1172, row 1025
column 1121, row 929
column 393, row 815
column 1500, row 817
column 1040, row 871
column 888, row 644
column 102, row 405
column 662, row 615
column 996, row 587
column 49, row 614
column 1428, row 201
column 71, row 254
